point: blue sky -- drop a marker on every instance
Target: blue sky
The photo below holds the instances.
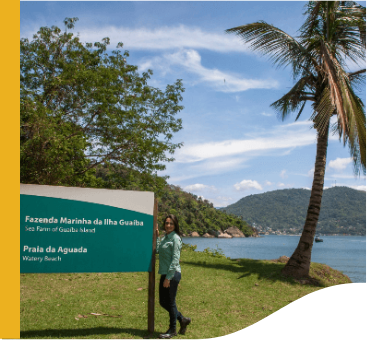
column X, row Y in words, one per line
column 234, row 144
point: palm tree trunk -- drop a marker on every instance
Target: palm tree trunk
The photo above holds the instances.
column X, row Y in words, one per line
column 299, row 263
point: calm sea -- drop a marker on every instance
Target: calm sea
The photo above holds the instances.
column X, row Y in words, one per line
column 344, row 253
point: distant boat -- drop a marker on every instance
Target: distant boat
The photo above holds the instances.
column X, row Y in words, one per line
column 318, row 239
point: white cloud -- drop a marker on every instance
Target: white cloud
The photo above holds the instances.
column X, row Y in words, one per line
column 281, row 185
column 358, row 187
column 283, row 174
column 161, row 38
column 221, row 81
column 267, row 114
column 204, row 168
column 311, row 172
column 247, row 184
column 199, row 187
column 268, row 183
column 214, row 166
column 340, row 163
column 282, row 137
column 221, row 201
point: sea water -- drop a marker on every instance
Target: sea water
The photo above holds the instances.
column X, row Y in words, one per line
column 344, row 253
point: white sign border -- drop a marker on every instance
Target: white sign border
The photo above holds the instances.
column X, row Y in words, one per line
column 138, row 201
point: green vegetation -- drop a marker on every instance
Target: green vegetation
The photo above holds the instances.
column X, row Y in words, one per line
column 211, row 293
column 81, row 106
column 194, row 213
column 343, row 210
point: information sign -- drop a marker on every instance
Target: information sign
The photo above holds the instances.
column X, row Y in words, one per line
column 68, row 229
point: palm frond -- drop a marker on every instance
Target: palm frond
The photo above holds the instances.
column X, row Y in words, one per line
column 295, row 99
column 323, row 110
column 301, row 110
column 357, row 129
column 358, row 13
column 270, row 40
column 349, row 28
column 312, row 22
column 349, row 108
column 357, row 78
column 330, row 69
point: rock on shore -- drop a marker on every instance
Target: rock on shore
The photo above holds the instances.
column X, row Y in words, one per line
column 223, row 235
column 229, row 233
column 208, row 235
column 234, row 232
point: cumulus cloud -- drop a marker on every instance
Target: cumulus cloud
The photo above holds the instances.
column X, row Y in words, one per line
column 281, row 185
column 247, row 184
column 268, row 183
column 340, row 163
column 199, row 187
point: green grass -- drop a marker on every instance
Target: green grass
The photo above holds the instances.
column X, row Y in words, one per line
column 220, row 295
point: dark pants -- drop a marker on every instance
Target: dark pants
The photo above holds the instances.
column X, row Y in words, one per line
column 167, row 299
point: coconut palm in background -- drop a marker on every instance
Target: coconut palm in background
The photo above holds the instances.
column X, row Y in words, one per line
column 333, row 34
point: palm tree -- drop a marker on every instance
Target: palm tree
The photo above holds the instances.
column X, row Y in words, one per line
column 333, row 34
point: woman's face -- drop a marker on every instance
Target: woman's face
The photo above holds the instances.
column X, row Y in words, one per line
column 169, row 225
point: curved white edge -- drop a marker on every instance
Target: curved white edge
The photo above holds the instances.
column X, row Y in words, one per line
column 138, row 201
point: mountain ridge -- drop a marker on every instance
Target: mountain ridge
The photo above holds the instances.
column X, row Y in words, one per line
column 343, row 211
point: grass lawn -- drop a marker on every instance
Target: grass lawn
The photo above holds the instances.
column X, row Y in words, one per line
column 219, row 294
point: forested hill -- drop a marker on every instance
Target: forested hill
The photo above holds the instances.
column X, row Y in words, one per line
column 193, row 212
column 343, row 210
column 196, row 214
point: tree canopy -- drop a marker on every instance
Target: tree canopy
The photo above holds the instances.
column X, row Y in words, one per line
column 82, row 106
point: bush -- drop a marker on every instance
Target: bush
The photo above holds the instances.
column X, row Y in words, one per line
column 214, row 252
column 186, row 246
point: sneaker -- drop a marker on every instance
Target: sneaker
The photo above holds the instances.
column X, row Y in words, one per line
column 184, row 323
column 168, row 335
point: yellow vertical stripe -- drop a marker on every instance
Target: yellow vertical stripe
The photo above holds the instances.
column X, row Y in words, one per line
column 9, row 317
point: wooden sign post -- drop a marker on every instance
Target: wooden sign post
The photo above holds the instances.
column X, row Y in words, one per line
column 151, row 288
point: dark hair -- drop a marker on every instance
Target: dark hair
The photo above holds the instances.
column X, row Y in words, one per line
column 175, row 222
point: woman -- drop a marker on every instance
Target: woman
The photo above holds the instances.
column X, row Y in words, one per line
column 169, row 248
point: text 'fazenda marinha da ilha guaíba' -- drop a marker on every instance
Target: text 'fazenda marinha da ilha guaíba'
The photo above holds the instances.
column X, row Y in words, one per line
column 65, row 220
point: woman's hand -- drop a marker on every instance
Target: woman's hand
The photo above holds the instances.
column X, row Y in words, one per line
column 166, row 283
column 157, row 230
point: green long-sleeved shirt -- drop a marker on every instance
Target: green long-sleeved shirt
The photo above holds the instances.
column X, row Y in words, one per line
column 169, row 249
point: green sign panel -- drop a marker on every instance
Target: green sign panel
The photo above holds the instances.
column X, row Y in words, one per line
column 61, row 235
